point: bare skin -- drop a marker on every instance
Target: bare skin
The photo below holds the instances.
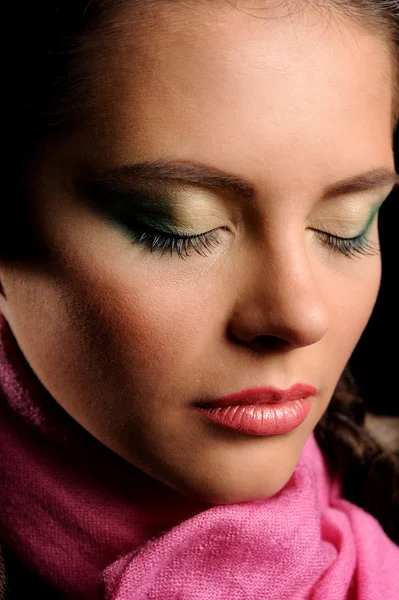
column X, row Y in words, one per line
column 126, row 340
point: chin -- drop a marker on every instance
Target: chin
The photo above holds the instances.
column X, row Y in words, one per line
column 234, row 491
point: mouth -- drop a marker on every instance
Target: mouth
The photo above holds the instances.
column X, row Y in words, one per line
column 260, row 411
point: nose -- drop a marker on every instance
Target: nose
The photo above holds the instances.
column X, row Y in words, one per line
column 282, row 303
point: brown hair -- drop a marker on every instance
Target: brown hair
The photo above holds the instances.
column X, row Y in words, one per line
column 368, row 470
column 52, row 50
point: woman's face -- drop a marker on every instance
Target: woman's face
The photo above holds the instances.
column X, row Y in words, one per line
column 126, row 339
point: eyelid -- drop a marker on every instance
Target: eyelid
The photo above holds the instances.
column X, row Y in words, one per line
column 372, row 216
column 134, row 200
column 348, row 222
column 166, row 227
column 156, row 209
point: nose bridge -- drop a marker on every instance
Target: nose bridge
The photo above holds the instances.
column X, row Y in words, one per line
column 283, row 296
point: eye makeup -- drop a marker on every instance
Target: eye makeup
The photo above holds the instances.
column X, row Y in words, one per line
column 372, row 216
column 355, row 245
column 149, row 216
column 123, row 206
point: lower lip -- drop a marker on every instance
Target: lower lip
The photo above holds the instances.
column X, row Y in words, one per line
column 260, row 419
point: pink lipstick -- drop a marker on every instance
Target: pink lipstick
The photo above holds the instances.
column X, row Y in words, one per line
column 260, row 411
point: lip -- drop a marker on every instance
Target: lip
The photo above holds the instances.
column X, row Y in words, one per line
column 261, row 395
column 260, row 411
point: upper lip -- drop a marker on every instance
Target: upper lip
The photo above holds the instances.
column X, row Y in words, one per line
column 261, row 395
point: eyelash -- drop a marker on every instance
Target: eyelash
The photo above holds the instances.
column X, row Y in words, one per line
column 158, row 241
column 350, row 247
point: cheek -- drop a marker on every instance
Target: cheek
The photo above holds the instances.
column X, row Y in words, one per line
column 145, row 311
column 352, row 303
column 109, row 347
column 149, row 323
column 145, row 327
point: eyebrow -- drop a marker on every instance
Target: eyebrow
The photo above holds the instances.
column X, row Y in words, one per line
column 375, row 179
column 190, row 172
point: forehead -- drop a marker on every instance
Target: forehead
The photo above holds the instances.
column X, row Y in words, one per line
column 206, row 77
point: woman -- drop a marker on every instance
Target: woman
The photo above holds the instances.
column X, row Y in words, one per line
column 188, row 263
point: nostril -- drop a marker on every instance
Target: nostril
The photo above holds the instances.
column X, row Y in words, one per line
column 270, row 342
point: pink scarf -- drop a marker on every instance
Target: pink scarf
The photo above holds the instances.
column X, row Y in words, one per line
column 95, row 527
